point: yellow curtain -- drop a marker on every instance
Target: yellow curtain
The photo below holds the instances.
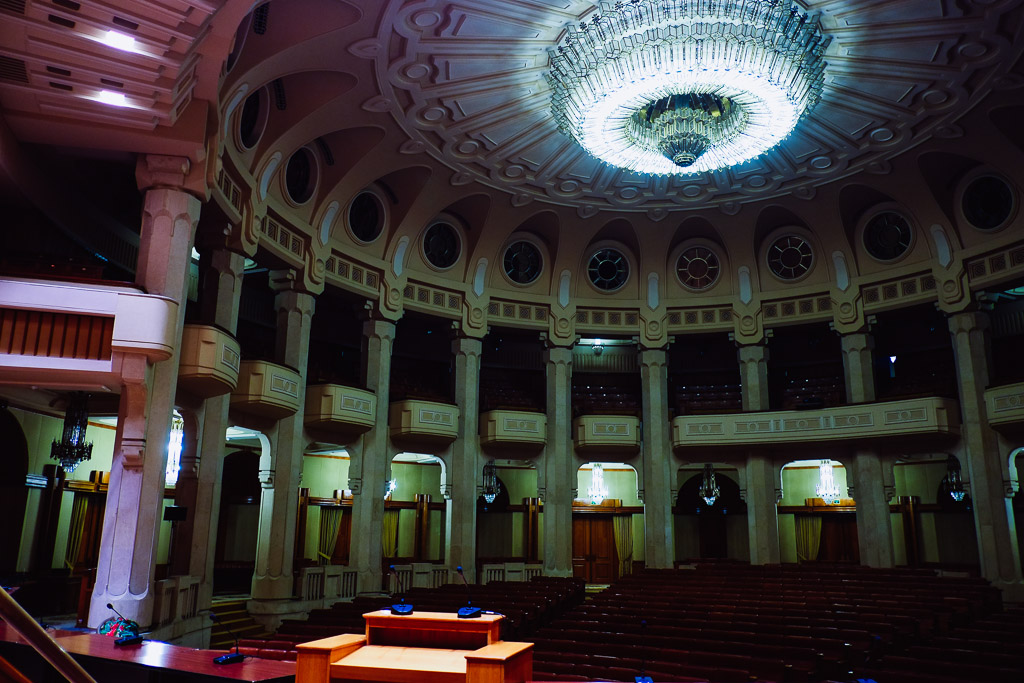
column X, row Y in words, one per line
column 330, row 522
column 623, row 530
column 808, row 537
column 77, row 526
column 389, row 538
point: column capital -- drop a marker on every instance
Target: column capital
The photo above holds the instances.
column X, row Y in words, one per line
column 289, row 280
column 653, row 357
column 154, row 171
column 558, row 355
column 379, row 328
column 752, row 353
column 966, row 322
column 467, row 346
column 857, row 341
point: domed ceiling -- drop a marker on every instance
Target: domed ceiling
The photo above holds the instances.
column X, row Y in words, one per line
column 464, row 82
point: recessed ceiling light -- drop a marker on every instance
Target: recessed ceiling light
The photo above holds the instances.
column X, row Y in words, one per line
column 119, row 40
column 116, row 99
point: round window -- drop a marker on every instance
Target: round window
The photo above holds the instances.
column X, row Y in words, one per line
column 253, row 119
column 522, row 262
column 366, row 217
column 988, row 203
column 608, row 269
column 887, row 236
column 300, row 176
column 441, row 245
column 790, row 257
column 698, row 268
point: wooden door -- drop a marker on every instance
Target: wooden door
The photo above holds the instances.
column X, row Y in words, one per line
column 593, row 548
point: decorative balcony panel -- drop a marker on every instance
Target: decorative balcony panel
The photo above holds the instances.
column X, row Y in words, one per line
column 343, row 411
column 513, row 430
column 1005, row 407
column 919, row 417
column 611, row 435
column 210, row 360
column 423, row 422
column 266, row 389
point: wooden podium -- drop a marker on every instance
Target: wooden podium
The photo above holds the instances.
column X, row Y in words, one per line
column 423, row 646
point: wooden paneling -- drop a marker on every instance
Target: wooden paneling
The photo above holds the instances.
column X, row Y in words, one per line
column 55, row 335
column 593, row 549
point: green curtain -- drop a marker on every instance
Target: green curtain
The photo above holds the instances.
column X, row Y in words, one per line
column 75, row 529
column 389, row 538
column 330, row 523
column 808, row 537
column 623, row 530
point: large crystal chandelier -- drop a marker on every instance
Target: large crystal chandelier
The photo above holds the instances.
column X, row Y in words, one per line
column 827, row 488
column 709, row 490
column 685, row 86
column 72, row 448
column 598, row 490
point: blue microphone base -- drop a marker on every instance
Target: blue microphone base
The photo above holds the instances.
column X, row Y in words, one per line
column 470, row 612
column 230, row 658
column 128, row 640
column 401, row 609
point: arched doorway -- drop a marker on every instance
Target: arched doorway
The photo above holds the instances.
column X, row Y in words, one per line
column 710, row 526
column 326, row 512
column 508, row 525
column 238, row 526
column 414, row 511
column 813, row 528
column 607, row 522
column 13, row 493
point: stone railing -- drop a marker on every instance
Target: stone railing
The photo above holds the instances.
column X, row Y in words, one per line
column 1005, row 405
column 509, row 571
column 326, row 583
column 177, row 598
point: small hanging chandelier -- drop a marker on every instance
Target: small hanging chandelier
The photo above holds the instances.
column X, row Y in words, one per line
column 389, row 488
column 72, row 449
column 598, row 491
column 709, row 490
column 491, row 485
column 827, row 489
column 953, row 483
column 174, row 443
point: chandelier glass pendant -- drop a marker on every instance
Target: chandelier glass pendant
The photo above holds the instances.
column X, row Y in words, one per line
column 827, row 488
column 491, row 485
column 598, row 490
column 709, row 490
column 72, row 448
column 671, row 87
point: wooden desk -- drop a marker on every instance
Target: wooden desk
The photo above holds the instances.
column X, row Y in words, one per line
column 150, row 662
column 425, row 646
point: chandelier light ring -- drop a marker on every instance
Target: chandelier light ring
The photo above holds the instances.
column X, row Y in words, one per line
column 672, row 87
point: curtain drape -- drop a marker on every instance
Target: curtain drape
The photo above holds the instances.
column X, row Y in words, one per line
column 389, row 538
column 623, row 532
column 808, row 537
column 75, row 529
column 330, row 522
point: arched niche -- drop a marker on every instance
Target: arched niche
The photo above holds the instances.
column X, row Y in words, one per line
column 328, row 504
column 811, row 529
column 716, row 530
column 508, row 528
column 238, row 522
column 608, row 530
column 414, row 510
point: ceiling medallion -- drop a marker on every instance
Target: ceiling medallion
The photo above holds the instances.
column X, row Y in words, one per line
column 672, row 87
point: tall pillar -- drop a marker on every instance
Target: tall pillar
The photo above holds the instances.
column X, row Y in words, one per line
column 372, row 455
column 128, row 545
column 874, row 526
column 202, row 458
column 993, row 513
column 762, row 513
column 559, row 463
column 281, row 469
column 466, row 466
column 658, row 462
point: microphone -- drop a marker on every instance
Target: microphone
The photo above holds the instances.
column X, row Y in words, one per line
column 467, row 612
column 643, row 658
column 231, row 657
column 124, row 641
column 400, row 608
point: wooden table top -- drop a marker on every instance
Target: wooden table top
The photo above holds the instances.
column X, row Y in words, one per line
column 397, row 664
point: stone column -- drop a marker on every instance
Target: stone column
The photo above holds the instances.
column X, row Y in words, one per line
column 559, row 463
column 128, row 545
column 466, row 465
column 874, row 527
column 372, row 454
column 993, row 514
column 202, row 460
column 762, row 513
column 658, row 461
column 280, row 471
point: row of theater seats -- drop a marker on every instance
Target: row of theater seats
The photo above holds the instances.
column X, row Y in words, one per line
column 527, row 607
column 712, row 396
column 815, row 392
column 729, row 622
column 510, row 390
column 605, row 395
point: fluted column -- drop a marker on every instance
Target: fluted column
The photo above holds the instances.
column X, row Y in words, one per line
column 559, row 463
column 874, row 527
column 281, row 469
column 466, row 460
column 202, row 460
column 372, row 455
column 124, row 574
column 993, row 512
column 658, row 463
column 762, row 513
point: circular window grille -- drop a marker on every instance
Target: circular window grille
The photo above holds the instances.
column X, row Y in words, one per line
column 366, row 217
column 698, row 268
column 522, row 262
column 988, row 203
column 790, row 257
column 608, row 269
column 441, row 245
column 299, row 176
column 251, row 121
column 888, row 236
